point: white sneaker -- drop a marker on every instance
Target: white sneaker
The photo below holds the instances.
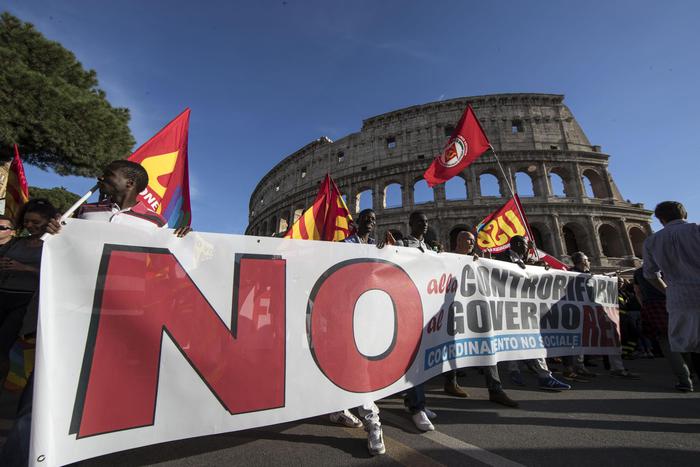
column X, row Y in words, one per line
column 420, row 419
column 428, row 413
column 375, row 439
column 346, row 418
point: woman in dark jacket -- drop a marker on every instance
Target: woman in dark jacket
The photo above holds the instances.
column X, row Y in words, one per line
column 20, row 261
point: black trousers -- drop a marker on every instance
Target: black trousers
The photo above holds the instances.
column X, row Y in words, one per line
column 13, row 307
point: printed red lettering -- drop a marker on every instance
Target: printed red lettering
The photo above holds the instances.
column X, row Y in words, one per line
column 331, row 333
column 144, row 293
column 589, row 335
column 432, row 286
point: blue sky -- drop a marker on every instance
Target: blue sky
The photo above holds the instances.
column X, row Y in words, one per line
column 264, row 78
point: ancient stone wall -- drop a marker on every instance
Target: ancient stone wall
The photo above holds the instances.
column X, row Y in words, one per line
column 539, row 143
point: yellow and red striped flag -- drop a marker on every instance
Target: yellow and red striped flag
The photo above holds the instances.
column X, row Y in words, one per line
column 17, row 193
column 327, row 219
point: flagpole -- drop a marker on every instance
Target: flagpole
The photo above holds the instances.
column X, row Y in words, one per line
column 69, row 212
column 517, row 203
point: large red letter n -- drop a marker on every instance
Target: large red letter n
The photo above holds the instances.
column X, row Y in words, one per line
column 144, row 293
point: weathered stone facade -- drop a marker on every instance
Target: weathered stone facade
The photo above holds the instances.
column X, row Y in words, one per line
column 535, row 136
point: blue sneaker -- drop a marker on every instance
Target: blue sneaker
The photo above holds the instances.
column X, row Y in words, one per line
column 553, row 384
column 517, row 378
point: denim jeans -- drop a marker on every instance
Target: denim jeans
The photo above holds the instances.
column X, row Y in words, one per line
column 415, row 399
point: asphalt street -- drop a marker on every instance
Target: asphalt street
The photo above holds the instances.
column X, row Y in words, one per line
column 607, row 421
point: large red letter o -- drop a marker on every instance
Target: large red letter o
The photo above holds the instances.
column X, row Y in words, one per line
column 330, row 321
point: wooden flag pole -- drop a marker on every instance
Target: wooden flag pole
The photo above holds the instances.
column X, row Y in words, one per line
column 517, row 203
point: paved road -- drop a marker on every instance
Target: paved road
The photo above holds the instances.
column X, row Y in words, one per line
column 608, row 421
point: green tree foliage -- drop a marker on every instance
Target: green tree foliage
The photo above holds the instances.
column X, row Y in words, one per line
column 52, row 108
column 59, row 196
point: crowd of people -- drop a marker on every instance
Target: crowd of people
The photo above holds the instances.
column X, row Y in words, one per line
column 20, row 259
column 659, row 310
column 647, row 329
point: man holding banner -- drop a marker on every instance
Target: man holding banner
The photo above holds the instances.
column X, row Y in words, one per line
column 369, row 412
column 415, row 397
column 464, row 245
column 518, row 253
column 120, row 184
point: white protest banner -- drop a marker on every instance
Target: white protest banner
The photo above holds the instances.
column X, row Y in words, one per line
column 145, row 337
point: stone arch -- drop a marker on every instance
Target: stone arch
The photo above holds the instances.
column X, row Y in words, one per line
column 456, row 188
column 363, row 199
column 558, row 182
column 297, row 214
column 637, row 237
column 575, row 238
column 524, row 184
column 392, row 195
column 542, row 236
column 283, row 223
column 610, row 241
column 422, row 193
column 273, row 225
column 594, row 181
column 263, row 229
column 489, row 184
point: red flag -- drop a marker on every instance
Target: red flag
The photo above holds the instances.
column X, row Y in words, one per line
column 17, row 193
column 327, row 219
column 165, row 159
column 552, row 261
column 467, row 142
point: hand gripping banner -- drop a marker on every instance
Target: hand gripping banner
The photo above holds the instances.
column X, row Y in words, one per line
column 146, row 338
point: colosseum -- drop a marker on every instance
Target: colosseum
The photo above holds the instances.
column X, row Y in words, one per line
column 568, row 194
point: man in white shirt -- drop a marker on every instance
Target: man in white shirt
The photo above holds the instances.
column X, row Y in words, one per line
column 674, row 252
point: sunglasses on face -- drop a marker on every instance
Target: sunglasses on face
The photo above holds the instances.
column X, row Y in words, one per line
column 4, row 227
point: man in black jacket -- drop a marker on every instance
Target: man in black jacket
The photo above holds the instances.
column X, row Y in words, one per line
column 517, row 253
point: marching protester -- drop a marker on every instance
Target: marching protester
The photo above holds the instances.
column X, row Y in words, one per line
column 119, row 187
column 462, row 243
column 575, row 368
column 20, row 260
column 369, row 412
column 672, row 265
column 7, row 229
column 415, row 397
column 465, row 245
column 655, row 327
column 630, row 312
column 517, row 253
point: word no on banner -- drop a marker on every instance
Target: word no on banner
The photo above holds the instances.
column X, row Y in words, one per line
column 147, row 338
